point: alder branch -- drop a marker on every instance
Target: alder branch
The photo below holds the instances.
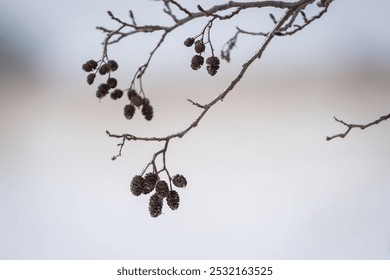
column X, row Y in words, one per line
column 352, row 126
column 286, row 30
column 202, row 42
column 220, row 97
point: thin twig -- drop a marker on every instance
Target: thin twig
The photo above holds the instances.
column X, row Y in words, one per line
column 352, row 126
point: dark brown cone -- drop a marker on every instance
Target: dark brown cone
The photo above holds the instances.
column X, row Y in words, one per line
column 129, row 111
column 213, row 61
column 189, row 42
column 179, row 181
column 112, row 65
column 197, row 60
column 147, row 111
column 102, row 90
column 86, row 67
column 155, row 205
column 92, row 63
column 91, row 78
column 150, row 182
column 199, row 46
column 100, row 94
column 131, row 93
column 162, row 189
column 173, row 200
column 116, row 94
column 104, row 69
column 112, row 82
column 137, row 185
column 136, row 100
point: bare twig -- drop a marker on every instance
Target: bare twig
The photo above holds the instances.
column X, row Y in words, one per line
column 352, row 126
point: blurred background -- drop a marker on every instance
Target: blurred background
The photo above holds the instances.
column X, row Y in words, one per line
column 262, row 181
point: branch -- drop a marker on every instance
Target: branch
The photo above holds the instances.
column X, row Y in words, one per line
column 220, row 97
column 288, row 29
column 352, row 126
column 202, row 43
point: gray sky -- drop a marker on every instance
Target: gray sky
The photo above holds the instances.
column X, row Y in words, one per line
column 263, row 182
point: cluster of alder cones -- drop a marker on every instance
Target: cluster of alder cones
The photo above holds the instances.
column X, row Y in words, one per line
column 151, row 182
column 198, row 60
column 136, row 100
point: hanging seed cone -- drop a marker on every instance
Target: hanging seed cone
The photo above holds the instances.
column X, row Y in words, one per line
column 189, row 42
column 155, row 205
column 179, row 181
column 162, row 189
column 150, row 182
column 129, row 111
column 137, row 185
column 147, row 111
column 199, row 46
column 173, row 200
column 91, row 78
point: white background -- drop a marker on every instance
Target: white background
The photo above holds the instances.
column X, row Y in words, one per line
column 262, row 181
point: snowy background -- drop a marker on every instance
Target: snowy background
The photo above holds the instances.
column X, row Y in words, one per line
column 262, row 181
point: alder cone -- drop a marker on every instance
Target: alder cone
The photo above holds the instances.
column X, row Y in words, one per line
column 197, row 59
column 155, row 205
column 116, row 94
column 173, row 200
column 104, row 69
column 131, row 93
column 150, row 182
column 213, row 61
column 189, row 42
column 129, row 111
column 136, row 100
column 112, row 65
column 137, row 185
column 162, row 189
column 91, row 78
column 112, row 82
column 92, row 63
column 179, row 181
column 199, row 46
column 147, row 111
column 86, row 67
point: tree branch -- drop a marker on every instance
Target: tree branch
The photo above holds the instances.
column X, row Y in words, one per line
column 286, row 25
column 352, row 126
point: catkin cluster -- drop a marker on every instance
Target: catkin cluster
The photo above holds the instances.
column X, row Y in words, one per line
column 109, row 87
column 198, row 60
column 151, row 182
